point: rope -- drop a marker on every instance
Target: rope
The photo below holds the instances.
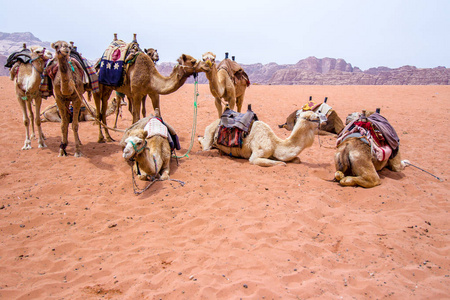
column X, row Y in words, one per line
column 410, row 164
column 138, row 191
column 92, row 113
column 194, row 123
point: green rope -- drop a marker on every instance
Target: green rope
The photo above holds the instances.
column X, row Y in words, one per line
column 194, row 124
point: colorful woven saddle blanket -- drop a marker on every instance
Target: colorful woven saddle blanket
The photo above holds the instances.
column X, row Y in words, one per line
column 90, row 77
column 233, row 127
column 379, row 133
column 24, row 56
column 234, row 70
column 113, row 62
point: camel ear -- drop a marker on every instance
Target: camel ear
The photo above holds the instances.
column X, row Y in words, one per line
column 145, row 134
column 53, row 46
column 183, row 57
column 145, row 50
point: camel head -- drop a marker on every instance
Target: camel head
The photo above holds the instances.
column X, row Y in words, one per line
column 208, row 59
column 291, row 120
column 135, row 143
column 40, row 52
column 153, row 53
column 310, row 116
column 62, row 48
column 189, row 64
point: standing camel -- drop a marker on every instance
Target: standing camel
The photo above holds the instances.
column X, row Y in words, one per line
column 142, row 78
column 223, row 83
column 27, row 78
column 68, row 88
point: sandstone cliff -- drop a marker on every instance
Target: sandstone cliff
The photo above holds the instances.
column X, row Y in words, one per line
column 309, row 71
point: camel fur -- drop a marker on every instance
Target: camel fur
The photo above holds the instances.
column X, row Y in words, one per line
column 222, row 86
column 355, row 164
column 68, row 88
column 142, row 78
column 51, row 112
column 262, row 147
column 27, row 80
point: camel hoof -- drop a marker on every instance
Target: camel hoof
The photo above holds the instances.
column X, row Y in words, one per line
column 42, row 145
column 164, row 177
column 26, row 147
column 339, row 175
column 110, row 139
column 78, row 154
column 61, row 153
column 101, row 140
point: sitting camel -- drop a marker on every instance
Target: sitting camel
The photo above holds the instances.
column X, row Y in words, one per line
column 51, row 112
column 27, row 78
column 262, row 147
column 356, row 164
column 332, row 126
column 151, row 153
column 227, row 81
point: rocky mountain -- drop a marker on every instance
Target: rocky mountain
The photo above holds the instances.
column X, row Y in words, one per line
column 12, row 42
column 309, row 71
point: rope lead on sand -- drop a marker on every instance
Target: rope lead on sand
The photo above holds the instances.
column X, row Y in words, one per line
column 410, row 164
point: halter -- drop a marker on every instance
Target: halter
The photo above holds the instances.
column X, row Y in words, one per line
column 137, row 151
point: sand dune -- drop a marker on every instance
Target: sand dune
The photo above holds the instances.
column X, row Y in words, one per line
column 71, row 228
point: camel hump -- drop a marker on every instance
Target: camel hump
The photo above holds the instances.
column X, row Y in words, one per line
column 234, row 70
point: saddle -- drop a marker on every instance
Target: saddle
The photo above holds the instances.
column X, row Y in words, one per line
column 113, row 63
column 234, row 127
column 234, row 70
column 23, row 55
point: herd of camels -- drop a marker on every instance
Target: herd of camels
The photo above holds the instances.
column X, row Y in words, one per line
column 355, row 161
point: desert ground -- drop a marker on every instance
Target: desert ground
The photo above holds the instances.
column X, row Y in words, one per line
column 72, row 228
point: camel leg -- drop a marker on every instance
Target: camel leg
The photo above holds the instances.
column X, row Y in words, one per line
column 75, row 122
column 64, row 126
column 103, row 119
column 367, row 181
column 165, row 170
column 38, row 102
column 396, row 164
column 257, row 159
column 207, row 140
column 144, row 111
column 30, row 110
column 218, row 104
column 239, row 102
column 155, row 101
column 26, row 123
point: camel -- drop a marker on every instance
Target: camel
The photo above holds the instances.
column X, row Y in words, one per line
column 51, row 112
column 27, row 78
column 356, row 165
column 332, row 126
column 221, row 83
column 262, row 147
column 142, row 78
column 68, row 88
column 152, row 154
column 153, row 54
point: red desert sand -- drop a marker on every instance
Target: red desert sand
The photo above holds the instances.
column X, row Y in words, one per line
column 72, row 228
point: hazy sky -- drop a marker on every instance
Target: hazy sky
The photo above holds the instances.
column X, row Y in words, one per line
column 366, row 33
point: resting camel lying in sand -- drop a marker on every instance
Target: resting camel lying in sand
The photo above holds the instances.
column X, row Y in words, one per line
column 152, row 154
column 51, row 112
column 355, row 163
column 262, row 147
column 332, row 126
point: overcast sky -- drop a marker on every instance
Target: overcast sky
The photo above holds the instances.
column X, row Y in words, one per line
column 366, row 33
